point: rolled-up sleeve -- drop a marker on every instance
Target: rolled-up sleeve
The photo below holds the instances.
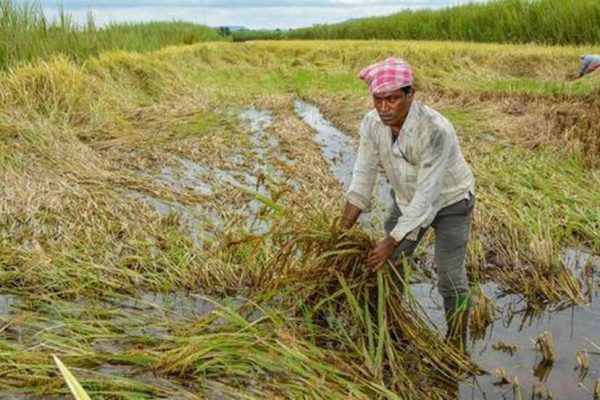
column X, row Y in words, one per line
column 432, row 167
column 365, row 169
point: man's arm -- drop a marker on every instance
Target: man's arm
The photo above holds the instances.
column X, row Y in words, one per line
column 351, row 214
column 364, row 175
column 429, row 181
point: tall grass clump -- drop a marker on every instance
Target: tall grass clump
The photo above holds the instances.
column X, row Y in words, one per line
column 26, row 34
column 501, row 21
column 244, row 35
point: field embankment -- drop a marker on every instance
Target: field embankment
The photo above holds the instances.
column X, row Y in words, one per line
column 136, row 184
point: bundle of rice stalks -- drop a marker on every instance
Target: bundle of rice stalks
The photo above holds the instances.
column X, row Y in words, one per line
column 483, row 312
column 541, row 287
column 317, row 273
column 265, row 357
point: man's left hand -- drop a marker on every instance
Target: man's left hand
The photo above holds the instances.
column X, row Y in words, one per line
column 381, row 253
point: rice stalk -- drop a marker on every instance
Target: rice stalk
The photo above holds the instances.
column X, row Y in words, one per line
column 544, row 344
column 76, row 389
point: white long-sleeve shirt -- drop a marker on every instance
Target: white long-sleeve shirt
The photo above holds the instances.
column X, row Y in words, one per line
column 425, row 166
column 589, row 62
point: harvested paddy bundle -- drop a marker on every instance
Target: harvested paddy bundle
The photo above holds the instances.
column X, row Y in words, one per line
column 317, row 274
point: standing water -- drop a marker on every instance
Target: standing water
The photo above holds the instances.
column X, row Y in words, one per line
column 196, row 178
column 6, row 302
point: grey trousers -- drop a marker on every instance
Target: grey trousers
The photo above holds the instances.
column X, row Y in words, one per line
column 452, row 226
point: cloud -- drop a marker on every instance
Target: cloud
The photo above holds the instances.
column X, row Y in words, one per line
column 255, row 14
column 253, row 18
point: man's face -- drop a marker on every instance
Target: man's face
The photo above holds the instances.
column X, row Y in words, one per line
column 393, row 106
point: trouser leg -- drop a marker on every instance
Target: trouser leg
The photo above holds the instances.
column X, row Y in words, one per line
column 452, row 228
column 405, row 248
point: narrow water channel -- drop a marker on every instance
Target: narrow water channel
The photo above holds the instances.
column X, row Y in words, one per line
column 572, row 330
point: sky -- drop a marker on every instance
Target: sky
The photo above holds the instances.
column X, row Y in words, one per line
column 253, row 14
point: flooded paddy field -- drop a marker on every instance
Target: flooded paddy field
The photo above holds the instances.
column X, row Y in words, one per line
column 185, row 244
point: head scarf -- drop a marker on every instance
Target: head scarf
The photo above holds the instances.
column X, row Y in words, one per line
column 387, row 75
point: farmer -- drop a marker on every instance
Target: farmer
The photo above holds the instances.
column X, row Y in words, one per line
column 589, row 63
column 432, row 185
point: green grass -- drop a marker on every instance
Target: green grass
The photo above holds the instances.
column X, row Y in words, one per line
column 535, row 87
column 241, row 36
column 501, row 21
column 26, row 34
column 466, row 120
column 334, row 82
column 203, row 124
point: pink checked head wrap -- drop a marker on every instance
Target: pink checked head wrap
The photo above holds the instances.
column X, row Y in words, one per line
column 387, row 75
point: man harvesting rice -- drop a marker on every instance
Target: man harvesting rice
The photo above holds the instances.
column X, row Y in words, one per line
column 589, row 63
column 432, row 185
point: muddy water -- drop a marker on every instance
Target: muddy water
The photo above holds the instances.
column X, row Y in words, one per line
column 572, row 330
column 187, row 176
column 257, row 121
column 578, row 258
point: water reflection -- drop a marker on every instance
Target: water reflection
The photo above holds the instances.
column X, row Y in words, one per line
column 572, row 330
column 6, row 303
